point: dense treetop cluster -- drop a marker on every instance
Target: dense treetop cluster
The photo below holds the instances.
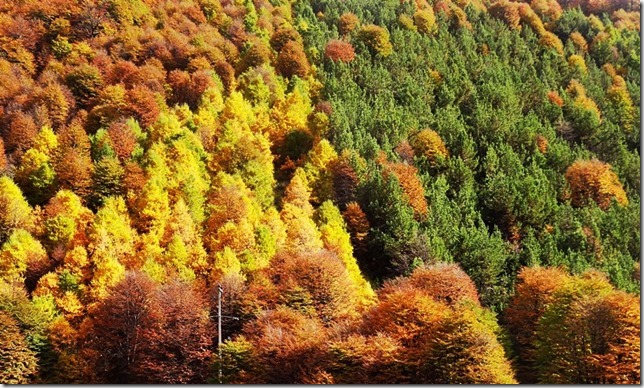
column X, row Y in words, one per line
column 415, row 191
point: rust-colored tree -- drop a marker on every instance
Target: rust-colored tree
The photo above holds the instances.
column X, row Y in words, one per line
column 283, row 347
column 18, row 363
column 116, row 334
column 72, row 162
column 413, row 190
column 292, row 60
column 593, row 180
column 358, row 227
column 3, row 158
column 188, row 88
column 345, row 181
column 439, row 342
column 122, row 139
column 446, row 283
column 534, row 293
column 317, row 284
column 347, row 23
column 339, row 51
column 590, row 333
column 20, row 134
column 226, row 73
column 508, row 12
column 614, row 325
column 282, row 36
column 143, row 333
column 144, row 106
column 180, row 351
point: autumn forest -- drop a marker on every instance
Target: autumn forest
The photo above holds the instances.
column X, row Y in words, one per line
column 374, row 191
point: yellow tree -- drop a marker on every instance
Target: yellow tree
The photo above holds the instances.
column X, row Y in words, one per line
column 377, row 39
column 234, row 215
column 15, row 212
column 425, row 21
column 337, row 240
column 184, row 249
column 302, row 233
column 429, row 144
column 66, row 221
column 112, row 247
column 35, row 173
column 463, row 349
column 17, row 253
column 188, row 178
column 318, row 170
column 240, row 150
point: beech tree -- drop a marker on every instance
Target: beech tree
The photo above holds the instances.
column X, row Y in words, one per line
column 3, row 158
column 463, row 349
column 141, row 328
column 437, row 338
column 317, row 284
column 18, row 363
column 152, row 150
column 36, row 174
column 602, row 327
column 376, row 38
column 72, row 162
column 534, row 293
column 111, row 247
column 284, row 346
column 20, row 251
column 179, row 352
column 116, row 335
column 337, row 50
column 347, row 23
column 595, row 181
column 292, row 60
column 425, row 21
column 14, row 210
column 429, row 144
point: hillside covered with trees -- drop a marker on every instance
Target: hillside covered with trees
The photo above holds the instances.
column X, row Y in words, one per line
column 387, row 191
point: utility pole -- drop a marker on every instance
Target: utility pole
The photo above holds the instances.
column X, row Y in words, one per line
column 220, row 292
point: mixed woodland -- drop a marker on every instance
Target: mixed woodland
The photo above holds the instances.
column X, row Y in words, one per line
column 387, row 191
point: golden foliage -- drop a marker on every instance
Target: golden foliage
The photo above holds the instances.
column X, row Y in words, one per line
column 429, row 144
column 594, row 180
column 377, row 38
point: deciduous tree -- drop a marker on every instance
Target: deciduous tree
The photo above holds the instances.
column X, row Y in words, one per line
column 18, row 363
column 594, row 180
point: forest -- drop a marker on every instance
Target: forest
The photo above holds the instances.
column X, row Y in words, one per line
column 385, row 191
